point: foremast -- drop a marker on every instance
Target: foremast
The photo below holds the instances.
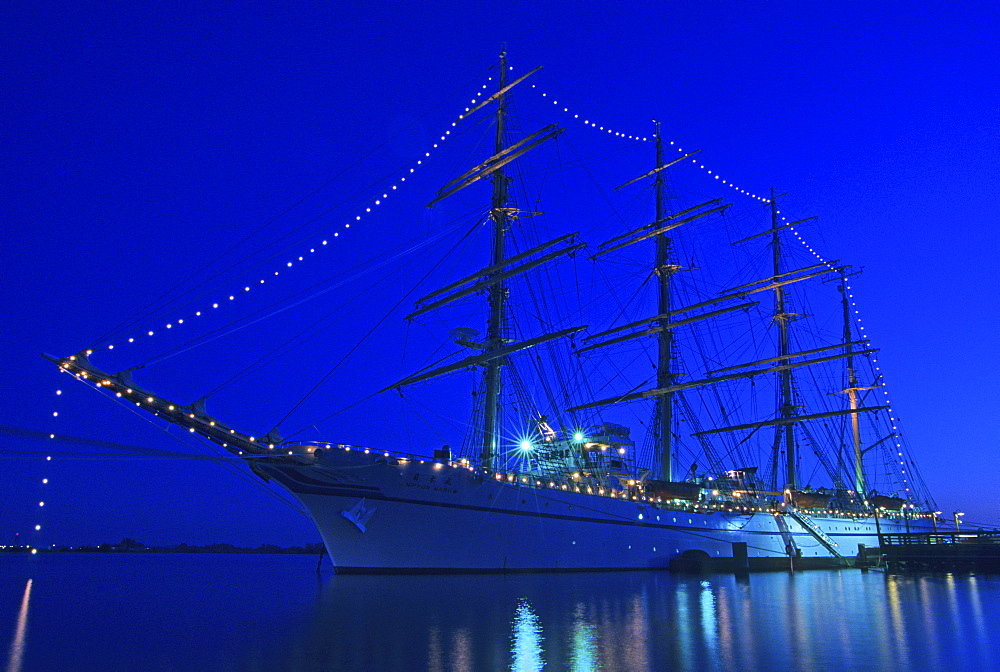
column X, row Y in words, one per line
column 499, row 343
column 497, row 296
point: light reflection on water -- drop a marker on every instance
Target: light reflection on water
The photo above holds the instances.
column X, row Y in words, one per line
column 272, row 612
column 21, row 630
column 709, row 624
column 527, row 648
column 584, row 653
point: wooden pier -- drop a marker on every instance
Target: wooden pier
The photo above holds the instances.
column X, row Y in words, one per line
column 962, row 551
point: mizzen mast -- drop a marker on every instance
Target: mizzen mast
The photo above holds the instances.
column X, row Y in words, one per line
column 853, row 388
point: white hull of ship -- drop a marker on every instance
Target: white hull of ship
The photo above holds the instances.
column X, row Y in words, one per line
column 386, row 516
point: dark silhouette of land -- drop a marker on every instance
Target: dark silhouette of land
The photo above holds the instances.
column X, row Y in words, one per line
column 132, row 546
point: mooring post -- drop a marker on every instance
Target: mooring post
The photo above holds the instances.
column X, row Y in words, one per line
column 741, row 560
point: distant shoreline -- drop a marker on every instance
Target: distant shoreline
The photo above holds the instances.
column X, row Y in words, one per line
column 130, row 546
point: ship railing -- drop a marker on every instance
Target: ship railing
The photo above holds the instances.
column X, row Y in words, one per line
column 927, row 538
column 590, row 486
column 304, row 447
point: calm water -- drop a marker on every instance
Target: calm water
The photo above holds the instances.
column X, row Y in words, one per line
column 231, row 612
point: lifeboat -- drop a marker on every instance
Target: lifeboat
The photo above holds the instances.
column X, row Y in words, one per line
column 810, row 500
column 673, row 490
column 886, row 502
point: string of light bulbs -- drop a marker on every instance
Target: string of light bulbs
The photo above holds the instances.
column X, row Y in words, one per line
column 629, row 136
column 484, row 92
column 861, row 329
column 375, row 202
column 232, row 297
column 34, row 541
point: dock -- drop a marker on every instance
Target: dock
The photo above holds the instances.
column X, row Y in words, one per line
column 961, row 551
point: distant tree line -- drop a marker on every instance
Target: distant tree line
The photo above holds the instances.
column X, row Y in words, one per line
column 132, row 546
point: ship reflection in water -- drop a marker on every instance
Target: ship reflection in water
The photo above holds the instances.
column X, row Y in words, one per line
column 140, row 612
column 816, row 620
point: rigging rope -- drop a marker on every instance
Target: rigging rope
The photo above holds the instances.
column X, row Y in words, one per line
column 211, row 452
column 271, row 356
column 375, row 327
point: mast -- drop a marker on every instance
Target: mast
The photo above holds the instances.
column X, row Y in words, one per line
column 852, row 389
column 497, row 292
column 786, row 409
column 498, row 344
column 664, row 376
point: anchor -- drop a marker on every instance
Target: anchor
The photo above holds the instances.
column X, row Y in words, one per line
column 359, row 514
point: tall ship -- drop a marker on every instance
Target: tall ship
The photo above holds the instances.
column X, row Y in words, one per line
column 678, row 382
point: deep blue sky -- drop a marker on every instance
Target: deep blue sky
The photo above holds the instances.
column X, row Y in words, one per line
column 140, row 140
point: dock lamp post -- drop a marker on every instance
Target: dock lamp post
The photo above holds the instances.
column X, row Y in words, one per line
column 958, row 517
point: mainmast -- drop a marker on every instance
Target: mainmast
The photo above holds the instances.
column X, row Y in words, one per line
column 497, row 292
column 786, row 409
column 664, row 375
